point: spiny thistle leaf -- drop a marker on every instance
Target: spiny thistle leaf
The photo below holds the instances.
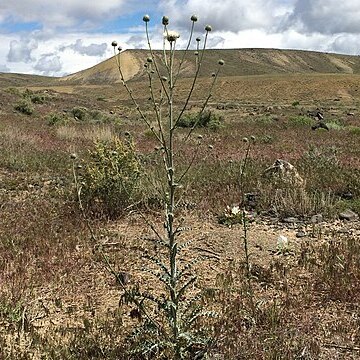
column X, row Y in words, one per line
column 185, row 245
column 164, row 278
column 189, row 266
column 184, row 287
column 157, row 262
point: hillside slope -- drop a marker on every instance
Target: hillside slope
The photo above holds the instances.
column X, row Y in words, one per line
column 239, row 62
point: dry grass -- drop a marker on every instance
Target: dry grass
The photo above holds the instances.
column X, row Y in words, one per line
column 58, row 302
column 93, row 133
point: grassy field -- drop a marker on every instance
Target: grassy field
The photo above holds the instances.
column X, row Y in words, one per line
column 57, row 301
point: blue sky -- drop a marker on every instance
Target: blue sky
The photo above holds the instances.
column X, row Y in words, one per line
column 57, row 38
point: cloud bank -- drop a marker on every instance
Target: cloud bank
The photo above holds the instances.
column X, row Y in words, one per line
column 77, row 34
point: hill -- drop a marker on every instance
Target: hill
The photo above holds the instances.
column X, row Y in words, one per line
column 239, row 62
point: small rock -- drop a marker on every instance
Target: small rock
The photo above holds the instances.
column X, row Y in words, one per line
column 348, row 215
column 315, row 219
column 348, row 195
column 300, row 234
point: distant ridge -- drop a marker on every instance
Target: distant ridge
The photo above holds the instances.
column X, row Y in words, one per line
column 238, row 62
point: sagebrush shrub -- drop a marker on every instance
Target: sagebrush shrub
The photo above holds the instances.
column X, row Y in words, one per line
column 56, row 119
column 206, row 119
column 25, row 107
column 79, row 113
column 109, row 178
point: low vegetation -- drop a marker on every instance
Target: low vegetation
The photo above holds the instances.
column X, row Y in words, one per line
column 77, row 282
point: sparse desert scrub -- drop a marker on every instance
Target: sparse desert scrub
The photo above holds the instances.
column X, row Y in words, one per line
column 108, row 180
column 58, row 302
column 24, row 107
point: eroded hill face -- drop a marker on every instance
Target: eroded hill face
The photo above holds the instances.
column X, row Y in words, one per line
column 239, row 62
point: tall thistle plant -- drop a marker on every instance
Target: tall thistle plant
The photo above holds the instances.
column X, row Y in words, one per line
column 170, row 327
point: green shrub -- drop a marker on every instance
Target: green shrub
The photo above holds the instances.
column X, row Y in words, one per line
column 110, row 177
column 354, row 130
column 205, row 119
column 38, row 98
column 79, row 113
column 301, row 120
column 98, row 116
column 57, row 119
column 95, row 116
column 25, row 107
column 334, row 125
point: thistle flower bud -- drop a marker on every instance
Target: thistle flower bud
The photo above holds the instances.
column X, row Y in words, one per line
column 221, row 62
column 119, row 48
column 171, row 36
column 73, row 156
column 211, row 147
column 213, row 74
column 194, row 18
column 245, row 140
column 200, row 137
column 164, row 78
column 208, row 28
column 252, row 137
column 146, row 18
column 165, row 20
column 196, row 53
column 114, row 44
column 198, row 39
column 149, row 60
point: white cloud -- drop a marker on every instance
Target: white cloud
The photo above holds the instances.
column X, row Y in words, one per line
column 324, row 25
column 90, row 50
column 49, row 64
column 53, row 14
column 21, row 51
column 326, row 16
column 227, row 15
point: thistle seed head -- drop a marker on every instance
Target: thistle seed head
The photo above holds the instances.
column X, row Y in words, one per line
column 114, row 44
column 245, row 140
column 221, row 62
column 194, row 18
column 208, row 28
column 165, row 20
column 171, row 36
column 73, row 156
column 119, row 48
column 146, row 18
column 196, row 53
column 149, row 60
column 198, row 39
